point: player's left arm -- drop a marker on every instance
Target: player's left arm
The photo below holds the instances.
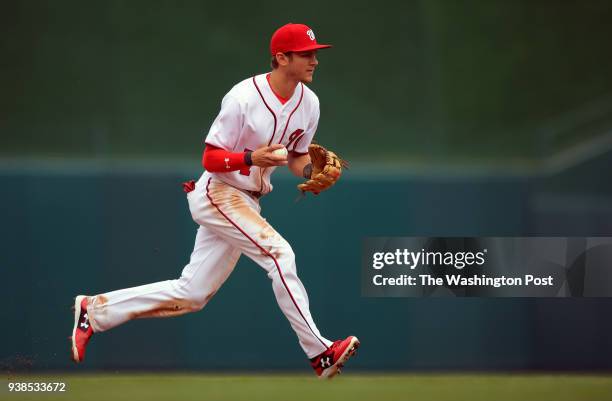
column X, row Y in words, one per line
column 299, row 159
column 299, row 164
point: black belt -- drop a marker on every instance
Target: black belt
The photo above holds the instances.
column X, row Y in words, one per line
column 254, row 194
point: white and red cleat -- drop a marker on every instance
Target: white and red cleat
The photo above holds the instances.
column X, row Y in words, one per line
column 82, row 331
column 329, row 363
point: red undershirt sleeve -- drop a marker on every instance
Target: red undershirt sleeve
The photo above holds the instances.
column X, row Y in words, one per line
column 219, row 160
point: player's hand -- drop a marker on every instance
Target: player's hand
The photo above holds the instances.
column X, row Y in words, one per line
column 263, row 157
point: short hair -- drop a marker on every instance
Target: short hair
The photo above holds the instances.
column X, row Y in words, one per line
column 274, row 62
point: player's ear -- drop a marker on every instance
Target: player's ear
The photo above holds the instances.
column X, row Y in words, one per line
column 283, row 58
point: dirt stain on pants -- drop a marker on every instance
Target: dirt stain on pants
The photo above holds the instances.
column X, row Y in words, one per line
column 174, row 307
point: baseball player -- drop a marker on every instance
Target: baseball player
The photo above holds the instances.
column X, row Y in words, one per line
column 265, row 121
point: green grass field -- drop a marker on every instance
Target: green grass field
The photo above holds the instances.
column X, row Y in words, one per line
column 352, row 387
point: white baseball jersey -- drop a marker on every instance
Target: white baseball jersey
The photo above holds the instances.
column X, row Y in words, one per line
column 251, row 115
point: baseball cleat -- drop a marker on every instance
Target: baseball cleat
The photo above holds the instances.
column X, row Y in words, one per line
column 82, row 331
column 330, row 362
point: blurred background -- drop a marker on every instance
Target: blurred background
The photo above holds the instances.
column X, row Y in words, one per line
column 460, row 118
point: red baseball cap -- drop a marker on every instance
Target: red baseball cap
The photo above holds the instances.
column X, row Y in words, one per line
column 294, row 38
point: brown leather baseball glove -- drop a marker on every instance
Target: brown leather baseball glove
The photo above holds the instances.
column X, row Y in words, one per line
column 326, row 169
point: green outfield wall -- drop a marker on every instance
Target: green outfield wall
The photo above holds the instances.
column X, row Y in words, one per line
column 70, row 229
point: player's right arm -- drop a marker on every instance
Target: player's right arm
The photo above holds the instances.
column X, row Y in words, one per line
column 223, row 138
column 219, row 160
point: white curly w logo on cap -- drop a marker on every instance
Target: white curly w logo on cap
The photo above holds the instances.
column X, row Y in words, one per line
column 310, row 34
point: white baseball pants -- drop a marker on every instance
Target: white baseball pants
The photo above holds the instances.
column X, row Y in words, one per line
column 230, row 225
